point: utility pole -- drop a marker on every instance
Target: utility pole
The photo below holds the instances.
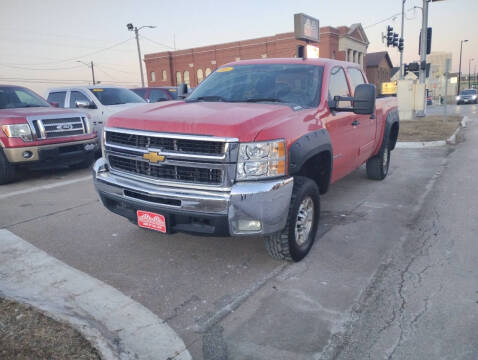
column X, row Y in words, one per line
column 459, row 68
column 136, row 33
column 402, row 36
column 469, row 73
column 423, row 57
column 447, row 75
column 90, row 65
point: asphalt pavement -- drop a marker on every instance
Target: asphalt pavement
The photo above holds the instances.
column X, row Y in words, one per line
column 225, row 297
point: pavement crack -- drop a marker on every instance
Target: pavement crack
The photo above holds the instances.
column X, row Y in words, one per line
column 50, row 214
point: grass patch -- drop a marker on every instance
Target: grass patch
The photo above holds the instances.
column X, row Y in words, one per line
column 428, row 128
column 25, row 333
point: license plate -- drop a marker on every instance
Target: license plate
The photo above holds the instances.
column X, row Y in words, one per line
column 150, row 220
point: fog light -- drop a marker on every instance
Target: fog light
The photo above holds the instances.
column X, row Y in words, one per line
column 89, row 147
column 27, row 154
column 249, row 225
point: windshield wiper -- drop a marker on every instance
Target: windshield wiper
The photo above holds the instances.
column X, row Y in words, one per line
column 207, row 98
column 263, row 100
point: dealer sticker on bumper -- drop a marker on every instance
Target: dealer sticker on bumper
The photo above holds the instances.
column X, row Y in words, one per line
column 151, row 221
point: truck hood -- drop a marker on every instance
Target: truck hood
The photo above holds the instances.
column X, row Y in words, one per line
column 113, row 109
column 33, row 111
column 233, row 120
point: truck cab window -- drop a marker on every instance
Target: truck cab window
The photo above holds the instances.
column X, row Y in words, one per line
column 77, row 96
column 57, row 97
column 338, row 86
column 356, row 77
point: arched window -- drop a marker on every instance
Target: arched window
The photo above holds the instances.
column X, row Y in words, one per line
column 200, row 76
column 208, row 71
column 178, row 78
column 165, row 75
column 186, row 77
column 153, row 76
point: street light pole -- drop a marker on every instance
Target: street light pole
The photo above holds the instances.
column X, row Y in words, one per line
column 90, row 65
column 469, row 73
column 136, row 33
column 459, row 68
column 401, row 52
column 423, row 60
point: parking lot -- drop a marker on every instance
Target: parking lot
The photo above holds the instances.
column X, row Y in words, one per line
column 226, row 295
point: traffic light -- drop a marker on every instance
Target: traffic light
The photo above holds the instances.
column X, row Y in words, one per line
column 405, row 69
column 400, row 45
column 395, row 40
column 414, row 66
column 389, row 35
column 429, row 42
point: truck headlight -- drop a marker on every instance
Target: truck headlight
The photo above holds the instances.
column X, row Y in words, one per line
column 474, row 97
column 458, row 98
column 260, row 160
column 21, row 131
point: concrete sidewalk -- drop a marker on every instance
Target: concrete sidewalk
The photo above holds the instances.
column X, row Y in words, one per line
column 116, row 325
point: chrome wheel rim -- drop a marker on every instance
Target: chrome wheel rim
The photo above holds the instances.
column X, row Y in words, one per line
column 304, row 221
column 385, row 160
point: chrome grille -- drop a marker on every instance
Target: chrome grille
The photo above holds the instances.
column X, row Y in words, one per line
column 166, row 172
column 166, row 143
column 59, row 127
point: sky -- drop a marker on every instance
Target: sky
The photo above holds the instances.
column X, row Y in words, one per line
column 41, row 42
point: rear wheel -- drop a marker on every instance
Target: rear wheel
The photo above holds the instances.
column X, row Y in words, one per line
column 295, row 241
column 377, row 166
column 7, row 170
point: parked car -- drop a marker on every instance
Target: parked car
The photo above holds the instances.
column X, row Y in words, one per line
column 155, row 94
column 33, row 133
column 467, row 96
column 249, row 152
column 98, row 101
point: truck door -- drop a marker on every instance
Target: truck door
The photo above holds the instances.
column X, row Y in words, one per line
column 96, row 120
column 366, row 124
column 340, row 127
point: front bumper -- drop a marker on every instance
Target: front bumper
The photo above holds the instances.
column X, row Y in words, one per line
column 63, row 152
column 199, row 211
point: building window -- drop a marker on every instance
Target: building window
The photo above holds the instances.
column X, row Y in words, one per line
column 165, row 75
column 186, row 77
column 153, row 76
column 200, row 76
column 208, row 71
column 178, row 78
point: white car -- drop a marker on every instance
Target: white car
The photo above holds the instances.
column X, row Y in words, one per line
column 99, row 102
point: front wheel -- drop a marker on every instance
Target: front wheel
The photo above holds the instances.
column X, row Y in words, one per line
column 7, row 170
column 377, row 166
column 295, row 241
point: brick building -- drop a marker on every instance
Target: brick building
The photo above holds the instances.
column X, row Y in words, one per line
column 193, row 65
column 378, row 68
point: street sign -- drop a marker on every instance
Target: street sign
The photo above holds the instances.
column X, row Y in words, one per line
column 389, row 88
column 306, row 28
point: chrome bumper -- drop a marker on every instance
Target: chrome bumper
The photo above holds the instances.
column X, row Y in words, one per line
column 264, row 201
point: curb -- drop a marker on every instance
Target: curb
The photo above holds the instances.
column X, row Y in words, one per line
column 431, row 144
column 117, row 326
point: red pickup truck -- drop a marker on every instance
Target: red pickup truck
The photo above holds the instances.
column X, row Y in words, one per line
column 33, row 133
column 248, row 152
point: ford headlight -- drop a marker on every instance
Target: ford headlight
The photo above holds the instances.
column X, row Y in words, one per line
column 259, row 160
column 21, row 131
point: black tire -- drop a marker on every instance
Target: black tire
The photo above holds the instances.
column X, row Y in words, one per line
column 84, row 164
column 7, row 170
column 377, row 166
column 284, row 245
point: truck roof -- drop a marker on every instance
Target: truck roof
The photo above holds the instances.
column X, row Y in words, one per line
column 84, row 87
column 317, row 62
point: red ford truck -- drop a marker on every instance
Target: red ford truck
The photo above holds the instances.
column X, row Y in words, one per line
column 33, row 133
column 249, row 152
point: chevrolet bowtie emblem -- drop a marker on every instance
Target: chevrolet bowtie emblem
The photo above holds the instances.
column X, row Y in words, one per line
column 154, row 157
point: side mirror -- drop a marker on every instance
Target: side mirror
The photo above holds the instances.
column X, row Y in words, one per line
column 54, row 103
column 85, row 104
column 364, row 99
column 182, row 91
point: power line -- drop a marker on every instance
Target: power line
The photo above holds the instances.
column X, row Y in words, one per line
column 157, row 43
column 82, row 55
column 388, row 18
column 39, row 69
column 59, row 81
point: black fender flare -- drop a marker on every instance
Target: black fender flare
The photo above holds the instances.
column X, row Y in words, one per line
column 308, row 146
column 391, row 119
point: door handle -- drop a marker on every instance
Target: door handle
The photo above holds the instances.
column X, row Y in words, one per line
column 355, row 123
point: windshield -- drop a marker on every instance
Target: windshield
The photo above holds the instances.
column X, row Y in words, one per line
column 116, row 96
column 18, row 97
column 468, row 92
column 293, row 84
